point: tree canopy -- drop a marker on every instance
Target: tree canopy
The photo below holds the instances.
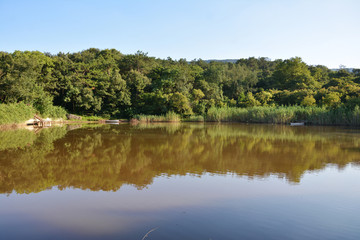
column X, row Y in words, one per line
column 109, row 83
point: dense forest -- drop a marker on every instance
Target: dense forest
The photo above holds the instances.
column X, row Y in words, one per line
column 111, row 84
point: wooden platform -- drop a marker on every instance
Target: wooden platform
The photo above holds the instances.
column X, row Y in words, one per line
column 40, row 122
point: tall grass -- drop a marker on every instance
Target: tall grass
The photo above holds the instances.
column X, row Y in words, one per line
column 168, row 117
column 195, row 118
column 266, row 114
column 54, row 112
column 20, row 112
column 93, row 118
column 15, row 113
column 285, row 115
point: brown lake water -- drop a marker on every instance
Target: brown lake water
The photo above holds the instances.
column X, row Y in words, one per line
column 180, row 181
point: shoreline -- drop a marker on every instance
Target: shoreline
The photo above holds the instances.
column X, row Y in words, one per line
column 14, row 126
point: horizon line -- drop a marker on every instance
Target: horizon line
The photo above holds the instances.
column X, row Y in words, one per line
column 177, row 59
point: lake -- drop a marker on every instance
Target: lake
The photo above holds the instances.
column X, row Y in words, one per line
column 180, row 181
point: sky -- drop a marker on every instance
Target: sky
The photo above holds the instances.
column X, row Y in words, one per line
column 325, row 32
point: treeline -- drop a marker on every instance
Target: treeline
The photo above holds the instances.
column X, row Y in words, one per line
column 110, row 84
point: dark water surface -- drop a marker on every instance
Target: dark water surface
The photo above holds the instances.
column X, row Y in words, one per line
column 182, row 181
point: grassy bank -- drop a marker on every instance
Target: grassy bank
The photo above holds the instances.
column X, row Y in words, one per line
column 15, row 113
column 20, row 112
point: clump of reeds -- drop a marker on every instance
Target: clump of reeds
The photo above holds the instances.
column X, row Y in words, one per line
column 92, row 118
column 286, row 114
column 168, row 117
column 195, row 118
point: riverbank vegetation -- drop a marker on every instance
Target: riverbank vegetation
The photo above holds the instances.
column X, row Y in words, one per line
column 168, row 117
column 109, row 84
column 284, row 115
column 20, row 112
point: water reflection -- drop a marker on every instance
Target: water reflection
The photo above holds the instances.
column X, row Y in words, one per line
column 105, row 157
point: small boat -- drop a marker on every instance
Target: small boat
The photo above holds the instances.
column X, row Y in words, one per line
column 112, row 121
column 297, row 124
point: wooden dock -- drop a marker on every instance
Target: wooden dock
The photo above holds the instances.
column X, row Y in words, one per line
column 40, row 122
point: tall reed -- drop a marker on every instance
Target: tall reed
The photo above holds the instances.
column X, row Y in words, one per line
column 168, row 117
column 287, row 114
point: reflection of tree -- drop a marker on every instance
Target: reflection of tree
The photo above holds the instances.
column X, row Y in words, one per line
column 25, row 168
column 105, row 158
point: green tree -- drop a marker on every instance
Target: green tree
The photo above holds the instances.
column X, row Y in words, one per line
column 293, row 74
column 308, row 101
column 264, row 97
column 331, row 99
column 180, row 104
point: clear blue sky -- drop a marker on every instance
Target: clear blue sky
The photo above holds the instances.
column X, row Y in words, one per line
column 323, row 32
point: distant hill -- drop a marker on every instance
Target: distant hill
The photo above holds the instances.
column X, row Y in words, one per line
column 222, row 60
column 350, row 70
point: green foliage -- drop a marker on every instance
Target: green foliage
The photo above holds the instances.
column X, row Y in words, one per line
column 308, row 101
column 293, row 74
column 180, row 104
column 249, row 101
column 198, row 94
column 264, row 97
column 331, row 99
